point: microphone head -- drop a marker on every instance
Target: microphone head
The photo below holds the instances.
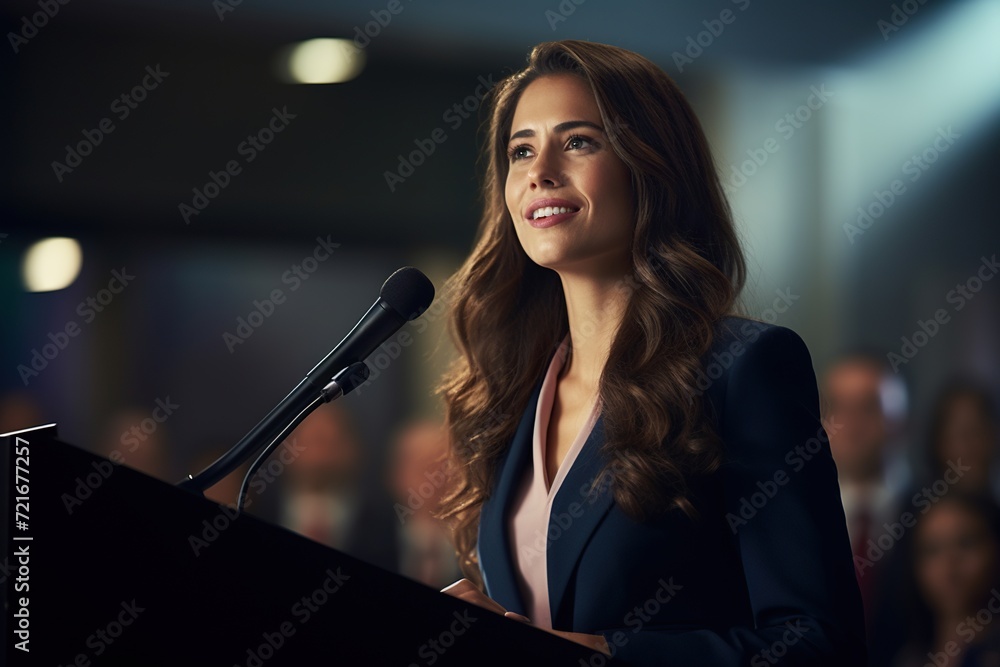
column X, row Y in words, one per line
column 408, row 292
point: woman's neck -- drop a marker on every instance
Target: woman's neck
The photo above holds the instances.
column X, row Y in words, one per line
column 595, row 308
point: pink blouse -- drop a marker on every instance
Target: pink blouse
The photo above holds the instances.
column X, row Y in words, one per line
column 529, row 518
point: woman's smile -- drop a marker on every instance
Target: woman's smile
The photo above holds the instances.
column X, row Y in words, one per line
column 548, row 212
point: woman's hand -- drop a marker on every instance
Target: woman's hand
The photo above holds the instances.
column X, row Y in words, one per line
column 593, row 642
column 463, row 589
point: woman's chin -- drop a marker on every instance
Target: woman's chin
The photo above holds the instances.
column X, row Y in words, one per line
column 567, row 262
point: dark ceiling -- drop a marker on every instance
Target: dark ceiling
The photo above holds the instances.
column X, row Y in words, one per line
column 327, row 170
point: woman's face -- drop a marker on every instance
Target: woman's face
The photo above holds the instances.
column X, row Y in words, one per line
column 956, row 559
column 569, row 194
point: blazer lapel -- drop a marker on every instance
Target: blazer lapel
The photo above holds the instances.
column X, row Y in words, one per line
column 493, row 546
column 575, row 516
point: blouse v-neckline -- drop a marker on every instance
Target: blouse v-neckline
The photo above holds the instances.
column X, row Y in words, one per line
column 543, row 416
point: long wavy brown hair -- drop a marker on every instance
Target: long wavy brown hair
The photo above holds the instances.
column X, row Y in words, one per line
column 508, row 314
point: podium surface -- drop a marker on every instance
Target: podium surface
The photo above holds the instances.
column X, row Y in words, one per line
column 104, row 565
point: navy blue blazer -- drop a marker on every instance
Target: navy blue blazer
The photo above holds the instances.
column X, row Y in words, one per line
column 765, row 573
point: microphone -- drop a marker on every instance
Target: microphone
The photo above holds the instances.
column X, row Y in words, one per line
column 404, row 296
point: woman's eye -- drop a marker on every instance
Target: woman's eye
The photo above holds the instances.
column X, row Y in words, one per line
column 578, row 142
column 518, row 153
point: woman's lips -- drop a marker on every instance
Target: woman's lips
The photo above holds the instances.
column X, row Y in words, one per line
column 551, row 220
column 554, row 207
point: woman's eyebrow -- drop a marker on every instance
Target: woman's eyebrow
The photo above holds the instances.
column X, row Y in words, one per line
column 561, row 127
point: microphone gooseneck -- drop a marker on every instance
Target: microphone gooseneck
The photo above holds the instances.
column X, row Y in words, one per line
column 404, row 296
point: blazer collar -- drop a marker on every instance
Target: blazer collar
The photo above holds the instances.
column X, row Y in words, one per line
column 574, row 517
column 493, row 544
column 576, row 513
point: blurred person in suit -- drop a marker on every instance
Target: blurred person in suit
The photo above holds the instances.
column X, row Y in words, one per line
column 864, row 412
column 418, row 478
column 320, row 478
column 637, row 468
column 319, row 470
column 951, row 603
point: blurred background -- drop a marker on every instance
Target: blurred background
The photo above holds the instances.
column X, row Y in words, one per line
column 199, row 199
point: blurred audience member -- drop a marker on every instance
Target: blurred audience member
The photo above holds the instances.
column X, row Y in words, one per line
column 19, row 411
column 417, row 479
column 320, row 473
column 964, row 428
column 865, row 405
column 953, row 601
column 319, row 467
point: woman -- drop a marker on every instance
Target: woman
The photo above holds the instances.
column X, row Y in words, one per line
column 952, row 602
column 636, row 470
column 964, row 427
column 961, row 453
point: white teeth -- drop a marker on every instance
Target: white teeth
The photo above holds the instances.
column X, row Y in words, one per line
column 549, row 210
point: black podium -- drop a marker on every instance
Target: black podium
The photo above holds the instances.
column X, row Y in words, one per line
column 104, row 565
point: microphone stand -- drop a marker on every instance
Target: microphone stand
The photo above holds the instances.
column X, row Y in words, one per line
column 271, row 430
column 341, row 384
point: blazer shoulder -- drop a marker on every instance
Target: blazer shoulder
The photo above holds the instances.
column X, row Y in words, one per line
column 737, row 335
column 744, row 349
column 736, row 328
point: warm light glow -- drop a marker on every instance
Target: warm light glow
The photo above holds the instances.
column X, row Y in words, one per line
column 324, row 61
column 51, row 264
